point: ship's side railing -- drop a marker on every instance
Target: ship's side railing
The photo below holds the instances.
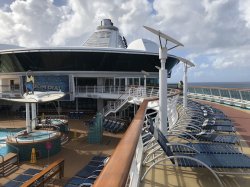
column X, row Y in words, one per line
column 123, row 168
column 231, row 96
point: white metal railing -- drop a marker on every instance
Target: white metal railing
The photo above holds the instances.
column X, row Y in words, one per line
column 100, row 89
column 235, row 97
column 134, row 173
column 136, row 95
column 135, row 168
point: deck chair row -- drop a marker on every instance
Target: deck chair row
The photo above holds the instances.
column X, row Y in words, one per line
column 88, row 174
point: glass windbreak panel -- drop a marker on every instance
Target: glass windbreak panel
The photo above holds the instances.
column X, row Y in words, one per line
column 199, row 90
column 191, row 90
column 206, row 91
column 81, row 61
column 215, row 92
column 224, row 93
column 235, row 94
column 245, row 95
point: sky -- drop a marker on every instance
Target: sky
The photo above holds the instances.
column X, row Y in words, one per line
column 215, row 33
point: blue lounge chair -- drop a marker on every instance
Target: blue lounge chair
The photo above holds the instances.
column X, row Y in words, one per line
column 31, row 171
column 22, row 178
column 210, row 137
column 88, row 171
column 13, row 184
column 208, row 161
column 77, row 181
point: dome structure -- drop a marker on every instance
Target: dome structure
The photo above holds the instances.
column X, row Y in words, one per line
column 144, row 45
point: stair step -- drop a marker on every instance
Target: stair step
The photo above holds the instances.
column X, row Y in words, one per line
column 10, row 170
column 9, row 164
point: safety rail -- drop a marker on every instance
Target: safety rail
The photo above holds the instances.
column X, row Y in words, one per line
column 46, row 174
column 128, row 151
column 231, row 96
column 115, row 174
column 10, row 162
column 134, row 95
column 32, row 139
column 101, row 89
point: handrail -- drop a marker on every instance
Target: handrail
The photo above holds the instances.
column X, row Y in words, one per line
column 114, row 173
column 232, row 96
column 221, row 88
column 11, row 138
column 2, row 164
column 118, row 102
column 17, row 152
column 41, row 175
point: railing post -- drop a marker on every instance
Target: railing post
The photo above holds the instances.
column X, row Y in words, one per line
column 241, row 99
column 230, row 96
column 219, row 92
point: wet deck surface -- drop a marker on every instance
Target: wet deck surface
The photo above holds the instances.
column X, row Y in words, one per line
column 162, row 176
column 76, row 153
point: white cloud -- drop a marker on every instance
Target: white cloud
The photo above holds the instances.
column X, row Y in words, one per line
column 215, row 33
column 203, row 65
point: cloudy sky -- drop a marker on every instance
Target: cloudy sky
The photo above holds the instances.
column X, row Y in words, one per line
column 215, row 33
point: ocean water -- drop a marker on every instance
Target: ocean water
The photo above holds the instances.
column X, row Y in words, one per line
column 243, row 85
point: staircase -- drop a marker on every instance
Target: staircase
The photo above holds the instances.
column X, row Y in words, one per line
column 8, row 164
column 116, row 106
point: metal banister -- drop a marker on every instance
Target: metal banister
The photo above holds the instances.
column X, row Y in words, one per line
column 116, row 172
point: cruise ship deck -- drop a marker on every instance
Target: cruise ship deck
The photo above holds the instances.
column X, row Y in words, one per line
column 77, row 153
column 127, row 127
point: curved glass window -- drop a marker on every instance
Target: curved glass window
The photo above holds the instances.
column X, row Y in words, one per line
column 81, row 61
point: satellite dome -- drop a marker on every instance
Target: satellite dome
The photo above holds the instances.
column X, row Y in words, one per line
column 144, row 45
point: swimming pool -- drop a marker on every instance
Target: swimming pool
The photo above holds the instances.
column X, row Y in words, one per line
column 3, row 135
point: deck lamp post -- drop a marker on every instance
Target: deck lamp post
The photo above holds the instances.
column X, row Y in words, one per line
column 163, row 76
column 187, row 64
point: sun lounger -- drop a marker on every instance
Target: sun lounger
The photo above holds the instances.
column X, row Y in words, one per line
column 13, row 184
column 22, row 178
column 31, row 171
column 209, row 161
column 80, row 181
column 210, row 137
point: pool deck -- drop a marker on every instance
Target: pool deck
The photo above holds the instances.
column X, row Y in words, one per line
column 76, row 153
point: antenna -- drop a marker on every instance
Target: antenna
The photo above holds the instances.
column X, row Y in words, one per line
column 187, row 62
column 164, row 36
